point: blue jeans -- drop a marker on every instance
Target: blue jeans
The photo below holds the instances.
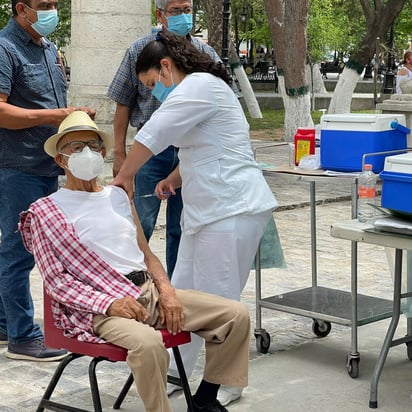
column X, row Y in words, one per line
column 18, row 191
column 156, row 169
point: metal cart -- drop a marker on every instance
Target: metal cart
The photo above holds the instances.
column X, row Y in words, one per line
column 324, row 305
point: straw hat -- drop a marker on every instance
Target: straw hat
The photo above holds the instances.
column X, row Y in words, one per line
column 76, row 121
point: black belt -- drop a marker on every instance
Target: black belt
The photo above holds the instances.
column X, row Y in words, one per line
column 138, row 277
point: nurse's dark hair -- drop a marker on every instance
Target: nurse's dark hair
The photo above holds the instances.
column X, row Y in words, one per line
column 185, row 56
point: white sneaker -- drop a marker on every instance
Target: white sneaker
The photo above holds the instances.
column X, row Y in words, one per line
column 172, row 388
column 228, row 395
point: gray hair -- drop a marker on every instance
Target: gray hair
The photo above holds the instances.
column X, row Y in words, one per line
column 162, row 4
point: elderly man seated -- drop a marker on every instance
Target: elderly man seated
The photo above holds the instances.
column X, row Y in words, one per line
column 106, row 284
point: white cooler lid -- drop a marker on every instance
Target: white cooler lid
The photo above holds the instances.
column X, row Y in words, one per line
column 401, row 163
column 360, row 121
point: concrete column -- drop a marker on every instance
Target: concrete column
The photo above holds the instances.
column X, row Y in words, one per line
column 399, row 104
column 101, row 33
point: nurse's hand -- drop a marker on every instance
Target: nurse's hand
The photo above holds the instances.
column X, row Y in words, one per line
column 164, row 189
column 125, row 183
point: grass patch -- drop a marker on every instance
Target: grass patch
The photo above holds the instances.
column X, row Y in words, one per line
column 275, row 119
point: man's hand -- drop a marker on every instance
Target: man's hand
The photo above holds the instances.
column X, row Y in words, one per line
column 129, row 308
column 118, row 161
column 171, row 312
column 90, row 111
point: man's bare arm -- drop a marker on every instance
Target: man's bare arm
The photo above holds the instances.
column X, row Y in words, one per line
column 15, row 118
column 120, row 125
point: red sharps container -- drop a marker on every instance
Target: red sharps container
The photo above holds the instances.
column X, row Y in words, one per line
column 304, row 143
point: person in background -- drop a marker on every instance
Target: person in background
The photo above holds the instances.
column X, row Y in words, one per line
column 135, row 104
column 405, row 71
column 227, row 203
column 32, row 105
column 107, row 285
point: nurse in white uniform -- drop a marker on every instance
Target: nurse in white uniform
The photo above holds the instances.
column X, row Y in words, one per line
column 226, row 201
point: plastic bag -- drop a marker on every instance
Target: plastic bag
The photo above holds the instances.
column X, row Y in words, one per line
column 310, row 162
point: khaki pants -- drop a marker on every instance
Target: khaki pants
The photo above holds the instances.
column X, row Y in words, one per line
column 223, row 323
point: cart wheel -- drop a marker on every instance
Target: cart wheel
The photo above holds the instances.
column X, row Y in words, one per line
column 321, row 328
column 409, row 350
column 262, row 342
column 353, row 367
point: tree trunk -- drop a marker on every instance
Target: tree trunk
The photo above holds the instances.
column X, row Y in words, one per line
column 244, row 84
column 316, row 84
column 287, row 23
column 379, row 17
column 214, row 11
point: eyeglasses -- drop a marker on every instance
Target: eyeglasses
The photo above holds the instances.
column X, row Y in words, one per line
column 176, row 11
column 77, row 147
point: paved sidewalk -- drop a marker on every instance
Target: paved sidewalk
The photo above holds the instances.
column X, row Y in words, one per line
column 301, row 372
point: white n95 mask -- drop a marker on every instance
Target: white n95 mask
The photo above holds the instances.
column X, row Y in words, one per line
column 85, row 165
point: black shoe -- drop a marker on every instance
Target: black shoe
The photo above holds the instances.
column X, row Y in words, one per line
column 214, row 406
column 34, row 350
column 4, row 340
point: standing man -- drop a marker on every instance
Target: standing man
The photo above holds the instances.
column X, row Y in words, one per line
column 32, row 104
column 135, row 105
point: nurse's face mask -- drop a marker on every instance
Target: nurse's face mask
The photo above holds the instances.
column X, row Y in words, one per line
column 160, row 91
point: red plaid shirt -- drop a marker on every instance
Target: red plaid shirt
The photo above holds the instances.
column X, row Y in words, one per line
column 80, row 282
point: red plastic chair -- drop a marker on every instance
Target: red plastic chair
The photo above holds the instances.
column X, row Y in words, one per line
column 98, row 352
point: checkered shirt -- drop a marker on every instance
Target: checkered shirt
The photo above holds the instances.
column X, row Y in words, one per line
column 126, row 88
column 80, row 282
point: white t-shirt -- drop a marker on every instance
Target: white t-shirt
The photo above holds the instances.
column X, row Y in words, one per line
column 220, row 178
column 109, row 210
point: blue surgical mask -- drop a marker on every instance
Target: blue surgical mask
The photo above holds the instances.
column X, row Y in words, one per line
column 47, row 21
column 160, row 91
column 180, row 24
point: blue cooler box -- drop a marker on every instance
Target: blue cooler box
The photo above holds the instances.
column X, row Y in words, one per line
column 345, row 138
column 397, row 184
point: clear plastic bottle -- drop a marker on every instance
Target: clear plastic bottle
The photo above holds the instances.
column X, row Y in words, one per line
column 366, row 194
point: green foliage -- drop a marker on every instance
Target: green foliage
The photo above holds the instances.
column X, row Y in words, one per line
column 275, row 119
column 337, row 27
column 61, row 36
column 249, row 22
column 403, row 31
column 334, row 27
column 5, row 12
column 320, row 21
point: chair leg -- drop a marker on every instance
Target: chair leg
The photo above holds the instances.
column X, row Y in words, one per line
column 123, row 392
column 55, row 379
column 94, row 386
column 183, row 378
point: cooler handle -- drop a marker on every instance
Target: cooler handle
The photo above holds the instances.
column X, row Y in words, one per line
column 395, row 125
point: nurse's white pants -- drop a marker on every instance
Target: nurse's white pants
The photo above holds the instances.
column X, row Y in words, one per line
column 217, row 260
